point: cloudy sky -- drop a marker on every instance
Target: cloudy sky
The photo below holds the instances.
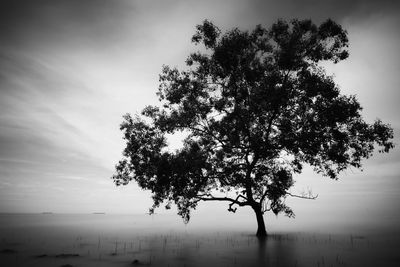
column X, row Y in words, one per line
column 70, row 69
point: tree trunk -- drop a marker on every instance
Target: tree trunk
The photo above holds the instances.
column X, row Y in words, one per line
column 261, row 232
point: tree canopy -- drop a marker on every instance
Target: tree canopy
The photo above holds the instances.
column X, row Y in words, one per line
column 256, row 106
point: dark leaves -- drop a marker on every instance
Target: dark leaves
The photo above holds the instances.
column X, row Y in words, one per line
column 257, row 106
column 206, row 33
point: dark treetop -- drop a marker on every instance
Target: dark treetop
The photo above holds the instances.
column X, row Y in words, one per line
column 256, row 106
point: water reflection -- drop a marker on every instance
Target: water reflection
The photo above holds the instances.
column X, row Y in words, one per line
column 276, row 250
column 112, row 240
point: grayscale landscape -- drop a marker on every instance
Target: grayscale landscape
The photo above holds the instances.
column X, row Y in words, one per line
column 199, row 133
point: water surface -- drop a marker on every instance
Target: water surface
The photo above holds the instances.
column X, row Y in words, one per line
column 163, row 240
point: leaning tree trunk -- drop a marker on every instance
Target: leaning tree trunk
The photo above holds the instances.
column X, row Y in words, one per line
column 261, row 232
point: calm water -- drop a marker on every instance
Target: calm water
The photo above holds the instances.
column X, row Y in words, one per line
column 163, row 240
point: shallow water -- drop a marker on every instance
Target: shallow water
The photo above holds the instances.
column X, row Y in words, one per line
column 137, row 240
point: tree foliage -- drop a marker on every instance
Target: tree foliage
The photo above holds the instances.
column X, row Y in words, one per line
column 257, row 106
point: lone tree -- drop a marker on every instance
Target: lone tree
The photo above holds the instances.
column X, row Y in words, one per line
column 256, row 106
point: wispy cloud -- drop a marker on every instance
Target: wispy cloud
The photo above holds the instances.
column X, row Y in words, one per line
column 70, row 69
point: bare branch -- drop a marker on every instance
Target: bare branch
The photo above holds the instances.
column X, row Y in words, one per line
column 209, row 197
column 263, row 196
column 304, row 196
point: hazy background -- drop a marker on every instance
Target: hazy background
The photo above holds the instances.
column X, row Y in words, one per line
column 70, row 69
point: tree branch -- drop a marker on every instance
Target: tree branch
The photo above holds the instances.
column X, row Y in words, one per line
column 263, row 196
column 209, row 197
column 303, row 196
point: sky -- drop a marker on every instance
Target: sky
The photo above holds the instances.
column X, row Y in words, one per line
column 70, row 69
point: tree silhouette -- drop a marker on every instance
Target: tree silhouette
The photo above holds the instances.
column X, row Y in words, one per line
column 256, row 106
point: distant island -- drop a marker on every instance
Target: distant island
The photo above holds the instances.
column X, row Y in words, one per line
column 99, row 213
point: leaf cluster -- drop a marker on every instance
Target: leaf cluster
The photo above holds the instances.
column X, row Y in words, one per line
column 257, row 106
